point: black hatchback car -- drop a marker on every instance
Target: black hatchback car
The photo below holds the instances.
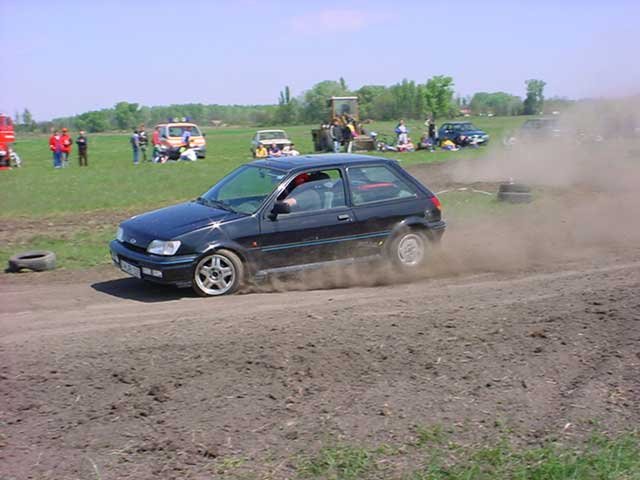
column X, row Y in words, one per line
column 279, row 215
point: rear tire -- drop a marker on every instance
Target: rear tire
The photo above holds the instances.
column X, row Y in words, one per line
column 218, row 273
column 408, row 250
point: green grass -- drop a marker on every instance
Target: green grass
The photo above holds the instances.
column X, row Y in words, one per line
column 436, row 458
column 112, row 182
column 84, row 247
column 114, row 188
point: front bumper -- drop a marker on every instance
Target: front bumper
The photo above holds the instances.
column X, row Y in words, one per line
column 174, row 270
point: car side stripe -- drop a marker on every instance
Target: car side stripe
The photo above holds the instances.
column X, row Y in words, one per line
column 323, row 242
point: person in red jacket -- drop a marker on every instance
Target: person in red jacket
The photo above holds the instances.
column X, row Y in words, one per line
column 55, row 145
column 67, row 143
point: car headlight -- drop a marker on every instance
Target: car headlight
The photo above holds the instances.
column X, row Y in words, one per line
column 120, row 234
column 2, row 152
column 161, row 247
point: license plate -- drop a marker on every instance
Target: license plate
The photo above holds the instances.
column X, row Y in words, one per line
column 130, row 269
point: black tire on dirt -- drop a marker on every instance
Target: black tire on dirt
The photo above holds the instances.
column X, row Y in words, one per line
column 513, row 187
column 408, row 250
column 515, row 197
column 36, row 260
column 218, row 273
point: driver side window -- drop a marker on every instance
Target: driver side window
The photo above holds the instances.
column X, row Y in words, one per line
column 314, row 190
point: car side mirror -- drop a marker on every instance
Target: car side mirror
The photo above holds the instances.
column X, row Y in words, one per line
column 164, row 135
column 278, row 209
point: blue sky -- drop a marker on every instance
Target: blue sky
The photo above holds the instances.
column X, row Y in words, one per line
column 66, row 57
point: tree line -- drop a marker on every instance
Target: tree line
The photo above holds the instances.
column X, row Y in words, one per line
column 407, row 99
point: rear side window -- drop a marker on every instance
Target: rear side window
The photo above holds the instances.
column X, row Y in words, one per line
column 377, row 183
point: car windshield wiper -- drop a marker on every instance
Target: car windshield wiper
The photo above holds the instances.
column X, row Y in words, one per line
column 215, row 204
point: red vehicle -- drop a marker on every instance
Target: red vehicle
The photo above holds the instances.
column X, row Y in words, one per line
column 7, row 138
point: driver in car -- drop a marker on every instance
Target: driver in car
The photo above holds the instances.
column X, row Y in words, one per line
column 302, row 193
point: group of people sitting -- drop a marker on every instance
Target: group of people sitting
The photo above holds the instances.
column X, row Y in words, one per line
column 275, row 151
column 428, row 141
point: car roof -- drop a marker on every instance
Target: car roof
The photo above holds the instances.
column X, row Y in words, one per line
column 303, row 162
column 459, row 123
column 267, row 131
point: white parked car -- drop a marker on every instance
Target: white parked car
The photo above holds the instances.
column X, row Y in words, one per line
column 269, row 138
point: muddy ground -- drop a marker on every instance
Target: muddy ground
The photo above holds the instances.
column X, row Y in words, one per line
column 527, row 325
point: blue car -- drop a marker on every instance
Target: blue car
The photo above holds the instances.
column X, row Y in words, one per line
column 281, row 215
column 454, row 130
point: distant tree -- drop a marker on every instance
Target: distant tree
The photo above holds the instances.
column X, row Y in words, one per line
column 383, row 106
column 497, row 103
column 28, row 123
column 405, row 96
column 367, row 95
column 126, row 115
column 287, row 111
column 95, row 121
column 16, row 118
column 534, row 101
column 438, row 94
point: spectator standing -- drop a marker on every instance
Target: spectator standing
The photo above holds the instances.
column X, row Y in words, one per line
column 135, row 146
column 431, row 130
column 347, row 137
column 402, row 132
column 143, row 140
column 155, row 140
column 82, row 143
column 335, row 132
column 186, row 137
column 67, row 143
column 55, row 145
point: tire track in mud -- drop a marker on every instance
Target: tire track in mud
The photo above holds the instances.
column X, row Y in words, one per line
column 76, row 308
column 133, row 381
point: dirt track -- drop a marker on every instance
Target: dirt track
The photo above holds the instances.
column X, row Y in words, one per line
column 101, row 373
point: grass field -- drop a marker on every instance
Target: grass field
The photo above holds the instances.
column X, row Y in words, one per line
column 599, row 458
column 112, row 188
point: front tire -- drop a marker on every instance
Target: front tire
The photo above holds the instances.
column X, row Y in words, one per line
column 218, row 273
column 408, row 250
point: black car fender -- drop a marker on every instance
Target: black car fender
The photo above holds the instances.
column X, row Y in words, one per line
column 433, row 230
column 226, row 244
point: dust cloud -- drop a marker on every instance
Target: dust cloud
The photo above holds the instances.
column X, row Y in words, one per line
column 584, row 175
column 584, row 178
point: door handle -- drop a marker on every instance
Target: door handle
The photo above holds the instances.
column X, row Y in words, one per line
column 344, row 217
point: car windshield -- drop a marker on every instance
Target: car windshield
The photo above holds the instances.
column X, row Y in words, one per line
column 276, row 135
column 464, row 127
column 178, row 130
column 244, row 189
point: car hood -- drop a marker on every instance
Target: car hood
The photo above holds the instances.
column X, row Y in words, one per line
column 171, row 222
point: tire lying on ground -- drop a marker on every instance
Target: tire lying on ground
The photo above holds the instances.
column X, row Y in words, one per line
column 36, row 260
column 514, row 193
